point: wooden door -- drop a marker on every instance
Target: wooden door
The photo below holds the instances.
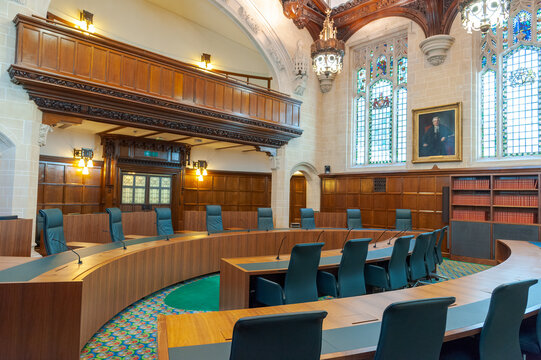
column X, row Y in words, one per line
column 297, row 197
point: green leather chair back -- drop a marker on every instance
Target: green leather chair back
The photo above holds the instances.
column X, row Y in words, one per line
column 115, row 224
column 437, row 249
column 300, row 284
column 413, row 330
column 430, row 255
column 53, row 229
column 403, row 219
column 351, row 271
column 354, row 219
column 397, row 270
column 164, row 224
column 281, row 336
column 308, row 220
column 417, row 259
column 214, row 219
column 264, row 219
column 499, row 338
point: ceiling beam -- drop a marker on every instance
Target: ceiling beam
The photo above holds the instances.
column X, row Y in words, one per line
column 111, row 130
column 230, row 147
column 207, row 143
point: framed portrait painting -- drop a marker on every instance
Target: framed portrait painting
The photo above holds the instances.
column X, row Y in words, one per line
column 437, row 134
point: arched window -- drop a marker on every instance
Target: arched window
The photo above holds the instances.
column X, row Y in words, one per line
column 510, row 85
column 380, row 103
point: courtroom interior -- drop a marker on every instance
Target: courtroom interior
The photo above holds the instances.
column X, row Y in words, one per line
column 270, row 179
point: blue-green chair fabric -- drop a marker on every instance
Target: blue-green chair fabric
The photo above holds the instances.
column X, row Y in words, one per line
column 308, row 221
column 437, row 249
column 53, row 229
column 350, row 280
column 499, row 338
column 164, row 225
column 214, row 219
column 354, row 219
column 530, row 336
column 413, row 330
column 115, row 224
column 264, row 219
column 281, row 336
column 300, row 282
column 430, row 255
column 394, row 275
column 417, row 266
column 403, row 219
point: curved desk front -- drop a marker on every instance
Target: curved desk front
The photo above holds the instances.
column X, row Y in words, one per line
column 52, row 306
column 351, row 329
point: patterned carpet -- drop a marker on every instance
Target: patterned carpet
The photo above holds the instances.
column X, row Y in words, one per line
column 131, row 335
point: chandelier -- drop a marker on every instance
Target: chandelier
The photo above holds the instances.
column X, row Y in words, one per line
column 327, row 54
column 483, row 14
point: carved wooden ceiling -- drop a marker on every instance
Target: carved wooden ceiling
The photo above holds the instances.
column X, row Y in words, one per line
column 433, row 16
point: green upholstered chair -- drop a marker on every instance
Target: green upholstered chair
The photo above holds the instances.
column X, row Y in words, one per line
column 430, row 255
column 416, row 262
column 413, row 330
column 164, row 225
column 115, row 224
column 499, row 338
column 308, row 221
column 530, row 336
column 264, row 219
column 437, row 249
column 214, row 219
column 354, row 219
column 280, row 336
column 350, row 272
column 392, row 275
column 300, row 282
column 403, row 219
column 53, row 231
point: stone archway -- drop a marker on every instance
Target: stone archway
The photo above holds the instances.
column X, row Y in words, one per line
column 313, row 183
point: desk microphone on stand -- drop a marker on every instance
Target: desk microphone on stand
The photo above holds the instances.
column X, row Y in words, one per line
column 379, row 237
column 398, row 235
column 344, row 242
column 69, row 248
column 280, row 247
column 121, row 240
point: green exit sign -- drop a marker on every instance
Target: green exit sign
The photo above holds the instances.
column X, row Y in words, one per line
column 151, row 153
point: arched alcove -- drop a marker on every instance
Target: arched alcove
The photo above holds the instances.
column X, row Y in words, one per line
column 313, row 183
column 7, row 173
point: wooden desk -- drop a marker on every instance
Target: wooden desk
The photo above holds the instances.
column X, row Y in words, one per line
column 190, row 335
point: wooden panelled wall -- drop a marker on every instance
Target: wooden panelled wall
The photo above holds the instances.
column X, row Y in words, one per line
column 233, row 191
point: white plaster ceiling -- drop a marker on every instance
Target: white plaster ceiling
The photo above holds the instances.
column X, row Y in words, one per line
column 207, row 15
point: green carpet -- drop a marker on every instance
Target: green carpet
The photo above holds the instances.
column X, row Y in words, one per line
column 201, row 295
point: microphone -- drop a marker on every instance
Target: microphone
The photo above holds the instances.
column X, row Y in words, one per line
column 321, row 233
column 379, row 237
column 280, row 247
column 399, row 234
column 69, row 248
column 123, row 243
column 344, row 243
column 167, row 237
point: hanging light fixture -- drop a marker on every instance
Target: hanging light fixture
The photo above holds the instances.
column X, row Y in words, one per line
column 85, row 159
column 327, row 54
column 483, row 14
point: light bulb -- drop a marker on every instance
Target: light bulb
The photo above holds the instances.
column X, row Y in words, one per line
column 200, row 178
column 198, row 172
column 90, row 163
column 81, row 163
column 205, row 172
column 85, row 171
column 91, row 28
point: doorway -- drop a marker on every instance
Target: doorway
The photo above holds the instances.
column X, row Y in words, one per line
column 297, row 197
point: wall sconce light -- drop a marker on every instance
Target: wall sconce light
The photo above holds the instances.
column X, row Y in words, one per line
column 86, row 21
column 85, row 159
column 201, row 169
column 205, row 62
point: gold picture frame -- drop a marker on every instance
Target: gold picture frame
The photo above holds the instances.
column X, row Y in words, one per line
column 437, row 133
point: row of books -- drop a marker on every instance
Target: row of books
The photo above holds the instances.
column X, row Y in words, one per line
column 469, row 199
column 517, row 217
column 516, row 200
column 515, row 184
column 471, row 184
column 471, row 215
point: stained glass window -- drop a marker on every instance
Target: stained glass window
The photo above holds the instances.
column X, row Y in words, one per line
column 133, row 189
column 402, row 70
column 159, row 190
column 484, row 62
column 401, row 122
column 380, row 122
column 391, row 64
column 141, row 189
column 522, row 27
column 488, row 113
column 520, row 111
column 505, row 33
column 360, row 131
column 361, row 80
column 539, row 25
column 381, row 66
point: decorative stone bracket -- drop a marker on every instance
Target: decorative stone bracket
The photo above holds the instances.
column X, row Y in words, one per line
column 435, row 48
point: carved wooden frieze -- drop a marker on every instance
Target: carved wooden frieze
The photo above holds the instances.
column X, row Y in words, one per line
column 68, row 72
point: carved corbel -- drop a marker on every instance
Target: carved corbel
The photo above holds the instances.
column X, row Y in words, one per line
column 436, row 47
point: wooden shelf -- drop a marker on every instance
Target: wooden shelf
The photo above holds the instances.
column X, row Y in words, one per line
column 471, row 189
column 472, row 205
column 499, row 189
column 515, row 206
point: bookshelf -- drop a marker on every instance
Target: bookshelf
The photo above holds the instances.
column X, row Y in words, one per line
column 505, row 198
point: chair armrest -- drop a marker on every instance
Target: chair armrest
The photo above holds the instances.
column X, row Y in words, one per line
column 376, row 276
column 268, row 292
column 326, row 283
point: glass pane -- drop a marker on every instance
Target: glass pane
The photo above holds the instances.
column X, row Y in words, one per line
column 154, row 181
column 127, row 180
column 154, row 196
column 360, row 131
column 539, row 25
column 522, row 27
column 166, row 182
column 127, row 195
column 361, row 80
column 165, row 198
column 401, row 122
column 139, row 196
column 505, row 31
column 140, row 180
column 488, row 114
column 403, row 70
column 381, row 66
column 521, row 101
column 380, row 122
